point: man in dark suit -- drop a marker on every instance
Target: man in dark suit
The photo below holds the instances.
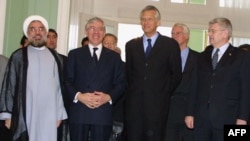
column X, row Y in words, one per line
column 176, row 128
column 95, row 81
column 221, row 93
column 153, row 66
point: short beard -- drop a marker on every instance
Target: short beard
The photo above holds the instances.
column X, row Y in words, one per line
column 38, row 43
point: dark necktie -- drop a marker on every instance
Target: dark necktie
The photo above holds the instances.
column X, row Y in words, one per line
column 215, row 58
column 149, row 47
column 94, row 55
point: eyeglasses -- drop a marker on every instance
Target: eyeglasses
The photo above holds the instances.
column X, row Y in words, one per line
column 95, row 29
column 176, row 33
column 35, row 29
column 214, row 30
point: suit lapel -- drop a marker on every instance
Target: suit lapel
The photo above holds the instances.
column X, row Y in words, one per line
column 157, row 45
column 139, row 48
column 89, row 65
column 208, row 54
column 227, row 57
column 99, row 68
column 189, row 62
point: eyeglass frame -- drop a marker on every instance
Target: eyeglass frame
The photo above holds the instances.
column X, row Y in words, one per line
column 35, row 29
column 213, row 31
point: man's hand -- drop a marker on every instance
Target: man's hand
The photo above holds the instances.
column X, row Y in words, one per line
column 94, row 100
column 58, row 123
column 189, row 121
column 87, row 99
column 8, row 123
column 241, row 122
column 102, row 98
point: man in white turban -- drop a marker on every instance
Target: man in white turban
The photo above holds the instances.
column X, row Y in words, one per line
column 31, row 98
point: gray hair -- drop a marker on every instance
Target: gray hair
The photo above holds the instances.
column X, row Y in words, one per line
column 93, row 20
column 184, row 27
column 149, row 8
column 224, row 23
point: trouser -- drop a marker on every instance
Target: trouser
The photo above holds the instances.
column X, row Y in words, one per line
column 4, row 132
column 63, row 131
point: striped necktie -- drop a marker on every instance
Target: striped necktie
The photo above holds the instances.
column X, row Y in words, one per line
column 215, row 58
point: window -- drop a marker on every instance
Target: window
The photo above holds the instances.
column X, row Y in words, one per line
column 201, row 2
column 127, row 32
column 197, row 40
column 235, row 3
column 236, row 41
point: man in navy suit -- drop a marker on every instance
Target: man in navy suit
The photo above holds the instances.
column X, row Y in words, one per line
column 152, row 77
column 96, row 80
column 221, row 85
column 176, row 128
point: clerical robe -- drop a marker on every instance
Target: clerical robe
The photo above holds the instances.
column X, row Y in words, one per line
column 32, row 94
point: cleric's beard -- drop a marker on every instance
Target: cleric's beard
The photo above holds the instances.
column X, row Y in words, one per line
column 38, row 43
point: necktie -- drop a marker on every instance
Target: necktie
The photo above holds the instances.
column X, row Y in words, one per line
column 94, row 55
column 215, row 58
column 149, row 47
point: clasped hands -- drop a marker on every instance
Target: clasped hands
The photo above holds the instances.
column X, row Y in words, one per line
column 93, row 100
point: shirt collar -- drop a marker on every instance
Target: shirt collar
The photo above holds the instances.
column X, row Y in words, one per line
column 153, row 39
column 222, row 50
column 39, row 48
column 98, row 52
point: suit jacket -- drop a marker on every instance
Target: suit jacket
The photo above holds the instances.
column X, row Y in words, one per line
column 151, row 80
column 83, row 75
column 180, row 95
column 66, row 99
column 223, row 93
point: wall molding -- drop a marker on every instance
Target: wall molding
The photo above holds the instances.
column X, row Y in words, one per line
column 2, row 18
column 63, row 26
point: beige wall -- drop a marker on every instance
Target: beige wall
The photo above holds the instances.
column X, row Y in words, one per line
column 127, row 11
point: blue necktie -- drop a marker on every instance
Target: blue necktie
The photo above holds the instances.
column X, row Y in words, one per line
column 215, row 58
column 149, row 47
column 94, row 55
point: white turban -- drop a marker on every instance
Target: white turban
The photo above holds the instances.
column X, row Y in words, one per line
column 29, row 19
